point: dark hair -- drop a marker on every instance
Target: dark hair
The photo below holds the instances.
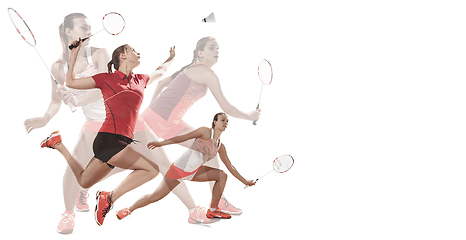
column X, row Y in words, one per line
column 216, row 118
column 68, row 22
column 199, row 46
column 116, row 58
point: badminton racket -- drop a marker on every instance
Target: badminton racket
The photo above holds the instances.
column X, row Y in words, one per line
column 280, row 164
column 25, row 32
column 265, row 76
column 112, row 22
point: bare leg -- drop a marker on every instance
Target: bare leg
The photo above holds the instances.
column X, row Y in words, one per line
column 144, row 171
column 165, row 187
column 214, row 163
column 82, row 153
column 159, row 157
column 212, row 174
column 94, row 172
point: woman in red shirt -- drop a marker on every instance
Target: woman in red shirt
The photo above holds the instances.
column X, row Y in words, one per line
column 123, row 93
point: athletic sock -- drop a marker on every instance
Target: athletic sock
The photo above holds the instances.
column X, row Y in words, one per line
column 191, row 210
column 212, row 209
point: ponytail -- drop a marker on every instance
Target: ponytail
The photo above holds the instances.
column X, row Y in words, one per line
column 109, row 66
column 116, row 58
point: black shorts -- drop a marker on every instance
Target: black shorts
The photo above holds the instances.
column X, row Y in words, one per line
column 106, row 145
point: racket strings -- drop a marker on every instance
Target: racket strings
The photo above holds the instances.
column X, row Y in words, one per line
column 113, row 23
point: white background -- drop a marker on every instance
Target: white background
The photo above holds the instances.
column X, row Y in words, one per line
column 368, row 96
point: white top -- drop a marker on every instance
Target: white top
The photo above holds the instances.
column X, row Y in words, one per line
column 94, row 111
column 198, row 154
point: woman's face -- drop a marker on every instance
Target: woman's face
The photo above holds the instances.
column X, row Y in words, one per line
column 210, row 53
column 222, row 122
column 131, row 56
column 81, row 29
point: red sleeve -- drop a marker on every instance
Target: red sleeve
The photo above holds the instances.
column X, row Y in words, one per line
column 99, row 79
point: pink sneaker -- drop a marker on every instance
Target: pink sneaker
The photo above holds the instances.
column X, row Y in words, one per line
column 123, row 213
column 66, row 224
column 199, row 216
column 81, row 201
column 226, row 207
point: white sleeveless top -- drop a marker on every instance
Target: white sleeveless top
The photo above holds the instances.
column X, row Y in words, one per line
column 94, row 111
column 198, row 154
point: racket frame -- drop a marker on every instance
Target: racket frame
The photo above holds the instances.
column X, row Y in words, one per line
column 263, row 83
column 72, row 107
column 72, row 46
column 286, row 155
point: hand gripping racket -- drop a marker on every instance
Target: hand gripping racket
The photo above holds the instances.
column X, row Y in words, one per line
column 25, row 32
column 265, row 75
column 112, row 22
column 280, row 164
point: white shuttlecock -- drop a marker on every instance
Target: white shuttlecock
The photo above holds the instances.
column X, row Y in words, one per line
column 210, row 18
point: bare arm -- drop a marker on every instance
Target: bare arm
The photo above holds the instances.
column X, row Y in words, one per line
column 222, row 152
column 55, row 103
column 162, row 84
column 162, row 68
column 202, row 132
column 71, row 81
column 212, row 81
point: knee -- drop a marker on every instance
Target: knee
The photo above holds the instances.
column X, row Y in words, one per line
column 152, row 173
column 223, row 176
column 85, row 184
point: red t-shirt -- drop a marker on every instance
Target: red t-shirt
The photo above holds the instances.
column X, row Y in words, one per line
column 123, row 97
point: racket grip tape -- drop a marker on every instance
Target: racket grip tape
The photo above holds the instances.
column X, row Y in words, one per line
column 72, row 46
column 72, row 107
column 255, row 121
column 248, row 186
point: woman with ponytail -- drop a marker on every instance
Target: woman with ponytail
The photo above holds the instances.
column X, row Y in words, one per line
column 182, row 90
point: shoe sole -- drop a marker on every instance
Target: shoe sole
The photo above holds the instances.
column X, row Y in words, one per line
column 97, row 195
column 211, row 217
column 231, row 213
column 65, row 232
column 82, row 210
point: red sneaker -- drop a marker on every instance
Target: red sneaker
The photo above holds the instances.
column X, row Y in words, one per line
column 51, row 140
column 123, row 213
column 217, row 214
column 102, row 207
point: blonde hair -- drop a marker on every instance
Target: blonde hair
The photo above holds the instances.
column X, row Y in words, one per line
column 68, row 22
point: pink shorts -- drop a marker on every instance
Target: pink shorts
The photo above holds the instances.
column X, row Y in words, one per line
column 162, row 128
column 176, row 173
column 92, row 126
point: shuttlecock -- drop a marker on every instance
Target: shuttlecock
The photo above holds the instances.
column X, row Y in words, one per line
column 210, row 18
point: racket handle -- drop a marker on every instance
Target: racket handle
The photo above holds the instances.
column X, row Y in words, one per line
column 248, row 185
column 72, row 107
column 72, row 46
column 255, row 121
